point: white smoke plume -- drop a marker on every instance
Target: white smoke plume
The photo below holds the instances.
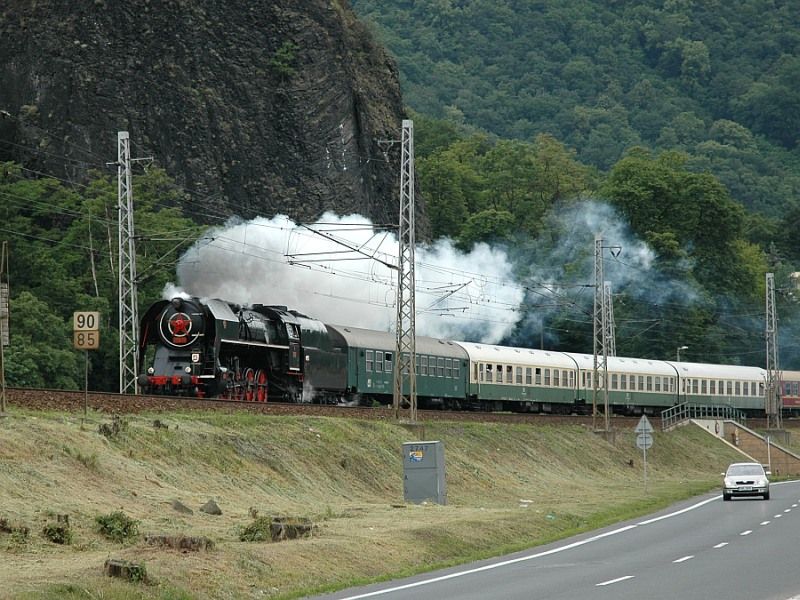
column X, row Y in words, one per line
column 275, row 261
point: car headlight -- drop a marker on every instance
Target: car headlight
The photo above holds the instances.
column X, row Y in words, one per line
column 188, row 369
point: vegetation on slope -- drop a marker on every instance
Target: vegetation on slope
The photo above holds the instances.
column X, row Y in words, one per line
column 508, row 487
column 717, row 80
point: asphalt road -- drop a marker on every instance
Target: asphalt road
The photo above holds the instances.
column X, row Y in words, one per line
column 706, row 548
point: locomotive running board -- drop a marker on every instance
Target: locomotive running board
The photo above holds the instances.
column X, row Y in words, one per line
column 251, row 343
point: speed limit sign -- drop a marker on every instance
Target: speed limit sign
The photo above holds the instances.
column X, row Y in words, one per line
column 86, row 330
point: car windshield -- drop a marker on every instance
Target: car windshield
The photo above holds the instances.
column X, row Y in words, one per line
column 738, row 470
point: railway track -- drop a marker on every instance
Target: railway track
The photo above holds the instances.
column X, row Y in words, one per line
column 111, row 403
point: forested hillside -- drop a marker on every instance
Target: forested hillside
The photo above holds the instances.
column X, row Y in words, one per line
column 718, row 80
column 668, row 130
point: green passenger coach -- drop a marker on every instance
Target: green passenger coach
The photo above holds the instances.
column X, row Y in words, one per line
column 441, row 367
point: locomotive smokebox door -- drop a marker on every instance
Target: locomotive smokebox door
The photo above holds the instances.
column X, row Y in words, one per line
column 424, row 472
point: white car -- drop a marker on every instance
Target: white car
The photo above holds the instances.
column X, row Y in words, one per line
column 745, row 479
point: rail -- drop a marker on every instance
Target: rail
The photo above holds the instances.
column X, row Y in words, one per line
column 683, row 412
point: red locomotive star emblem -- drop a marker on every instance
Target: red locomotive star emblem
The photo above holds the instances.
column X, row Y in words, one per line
column 179, row 325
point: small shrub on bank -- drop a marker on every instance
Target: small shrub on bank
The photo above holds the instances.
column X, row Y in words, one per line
column 257, row 531
column 118, row 526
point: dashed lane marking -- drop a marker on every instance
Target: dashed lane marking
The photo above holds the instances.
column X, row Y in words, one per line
column 617, row 580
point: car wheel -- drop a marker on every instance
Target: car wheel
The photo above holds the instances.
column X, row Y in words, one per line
column 726, row 497
column 766, row 496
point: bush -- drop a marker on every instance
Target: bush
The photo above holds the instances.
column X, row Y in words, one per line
column 58, row 533
column 257, row 531
column 118, row 526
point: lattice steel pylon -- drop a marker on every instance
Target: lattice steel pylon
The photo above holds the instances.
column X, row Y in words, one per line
column 4, row 319
column 405, row 372
column 611, row 334
column 600, row 346
column 773, row 402
column 128, row 308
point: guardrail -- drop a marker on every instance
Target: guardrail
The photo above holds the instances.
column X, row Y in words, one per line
column 683, row 412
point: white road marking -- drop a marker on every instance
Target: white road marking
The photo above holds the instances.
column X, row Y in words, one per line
column 721, row 545
column 530, row 556
column 748, row 532
column 778, row 516
column 684, row 559
column 788, row 510
column 764, row 522
column 617, row 580
column 794, row 505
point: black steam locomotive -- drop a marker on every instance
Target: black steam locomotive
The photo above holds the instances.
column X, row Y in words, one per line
column 214, row 348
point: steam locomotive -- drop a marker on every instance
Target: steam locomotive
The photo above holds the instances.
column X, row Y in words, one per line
column 211, row 348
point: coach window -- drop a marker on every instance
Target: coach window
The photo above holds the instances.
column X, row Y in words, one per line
column 519, row 375
column 729, row 388
column 547, row 376
column 745, row 389
column 440, row 367
column 623, row 382
column 737, row 388
column 649, row 383
column 499, row 373
column 448, row 367
column 370, row 357
column 528, row 376
column 556, row 378
column 703, row 384
column 614, row 381
column 538, row 376
column 712, row 387
column 658, row 383
column 760, row 388
column 695, row 386
column 479, row 371
column 509, row 374
column 456, row 368
column 423, row 365
column 378, row 361
column 387, row 362
column 489, row 373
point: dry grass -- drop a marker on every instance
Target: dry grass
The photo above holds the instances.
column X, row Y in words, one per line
column 344, row 475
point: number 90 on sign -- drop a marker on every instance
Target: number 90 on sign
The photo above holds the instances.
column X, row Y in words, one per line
column 86, row 321
column 86, row 340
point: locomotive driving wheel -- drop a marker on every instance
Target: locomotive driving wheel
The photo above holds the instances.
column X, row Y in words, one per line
column 261, row 386
column 249, row 387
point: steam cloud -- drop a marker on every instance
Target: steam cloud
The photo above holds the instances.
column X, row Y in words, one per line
column 275, row 261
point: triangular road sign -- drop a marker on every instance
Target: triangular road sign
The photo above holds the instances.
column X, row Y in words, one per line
column 644, row 426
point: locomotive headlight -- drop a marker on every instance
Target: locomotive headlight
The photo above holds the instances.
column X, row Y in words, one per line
column 188, row 369
column 150, row 371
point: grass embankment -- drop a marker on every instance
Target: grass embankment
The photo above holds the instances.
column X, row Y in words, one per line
column 346, row 476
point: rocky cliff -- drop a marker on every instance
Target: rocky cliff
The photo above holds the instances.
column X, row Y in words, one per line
column 258, row 107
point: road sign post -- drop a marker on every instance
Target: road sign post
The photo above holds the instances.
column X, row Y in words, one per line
column 86, row 336
column 644, row 440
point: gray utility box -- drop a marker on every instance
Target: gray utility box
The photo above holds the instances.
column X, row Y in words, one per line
column 423, row 472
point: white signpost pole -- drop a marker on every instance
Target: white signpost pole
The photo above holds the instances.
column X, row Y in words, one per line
column 644, row 440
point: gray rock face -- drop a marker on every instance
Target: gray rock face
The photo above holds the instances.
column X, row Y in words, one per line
column 257, row 108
